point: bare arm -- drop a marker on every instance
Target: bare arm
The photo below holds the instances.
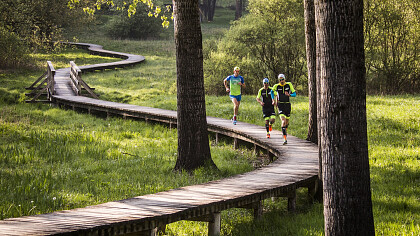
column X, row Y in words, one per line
column 226, row 86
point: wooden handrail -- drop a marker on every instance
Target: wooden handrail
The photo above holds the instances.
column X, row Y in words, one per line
column 77, row 81
column 49, row 88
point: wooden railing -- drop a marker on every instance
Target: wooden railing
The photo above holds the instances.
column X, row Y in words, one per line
column 45, row 87
column 77, row 82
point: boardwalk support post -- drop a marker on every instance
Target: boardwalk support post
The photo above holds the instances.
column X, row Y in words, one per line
column 215, row 224
column 256, row 150
column 270, row 156
column 258, row 210
column 235, row 143
column 291, row 201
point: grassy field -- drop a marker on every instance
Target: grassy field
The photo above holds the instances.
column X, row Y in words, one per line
column 54, row 159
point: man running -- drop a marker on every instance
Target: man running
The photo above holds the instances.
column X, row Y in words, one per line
column 284, row 91
column 268, row 101
column 236, row 82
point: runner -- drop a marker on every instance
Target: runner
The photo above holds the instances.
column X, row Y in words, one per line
column 267, row 95
column 284, row 91
column 236, row 82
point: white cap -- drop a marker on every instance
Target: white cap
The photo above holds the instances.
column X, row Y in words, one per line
column 282, row 76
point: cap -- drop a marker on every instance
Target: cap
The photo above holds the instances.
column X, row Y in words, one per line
column 236, row 68
column 282, row 76
column 265, row 80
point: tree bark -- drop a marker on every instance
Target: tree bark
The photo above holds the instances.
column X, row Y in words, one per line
column 310, row 36
column 311, row 58
column 238, row 12
column 212, row 8
column 345, row 163
column 193, row 142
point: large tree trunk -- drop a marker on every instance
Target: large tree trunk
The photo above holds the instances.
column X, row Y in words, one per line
column 345, row 163
column 310, row 36
column 193, row 142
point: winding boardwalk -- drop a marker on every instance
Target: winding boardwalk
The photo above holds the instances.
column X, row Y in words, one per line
column 296, row 166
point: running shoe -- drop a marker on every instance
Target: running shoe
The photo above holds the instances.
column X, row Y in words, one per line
column 233, row 121
column 268, row 135
column 285, row 142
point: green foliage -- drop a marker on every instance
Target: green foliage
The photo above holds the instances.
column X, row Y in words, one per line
column 13, row 52
column 137, row 26
column 30, row 25
column 391, row 43
column 268, row 41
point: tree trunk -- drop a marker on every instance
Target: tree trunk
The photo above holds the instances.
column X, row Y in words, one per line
column 212, row 8
column 310, row 36
column 238, row 13
column 205, row 9
column 345, row 161
column 193, row 141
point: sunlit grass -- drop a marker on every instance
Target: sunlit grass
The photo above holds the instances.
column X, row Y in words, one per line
column 62, row 59
column 52, row 159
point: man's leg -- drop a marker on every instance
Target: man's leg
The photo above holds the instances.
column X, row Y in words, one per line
column 235, row 107
column 284, row 125
column 272, row 120
column 267, row 126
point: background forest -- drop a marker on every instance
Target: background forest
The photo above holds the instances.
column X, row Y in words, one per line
column 269, row 39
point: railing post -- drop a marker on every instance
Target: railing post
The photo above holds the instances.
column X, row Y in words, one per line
column 50, row 80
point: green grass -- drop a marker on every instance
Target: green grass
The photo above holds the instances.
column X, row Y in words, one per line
column 53, row 159
column 99, row 153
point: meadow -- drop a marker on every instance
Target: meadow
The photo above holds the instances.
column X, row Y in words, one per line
column 52, row 159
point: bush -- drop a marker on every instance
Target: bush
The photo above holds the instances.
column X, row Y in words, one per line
column 391, row 46
column 13, row 52
column 138, row 26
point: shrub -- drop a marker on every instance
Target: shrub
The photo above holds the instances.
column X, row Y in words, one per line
column 13, row 52
column 138, row 26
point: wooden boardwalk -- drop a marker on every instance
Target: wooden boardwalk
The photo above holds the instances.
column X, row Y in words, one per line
column 296, row 166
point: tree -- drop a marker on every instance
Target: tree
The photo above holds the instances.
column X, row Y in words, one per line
column 343, row 126
column 208, row 8
column 193, row 142
column 310, row 36
column 238, row 12
column 392, row 51
column 28, row 25
column 211, row 9
column 313, row 88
